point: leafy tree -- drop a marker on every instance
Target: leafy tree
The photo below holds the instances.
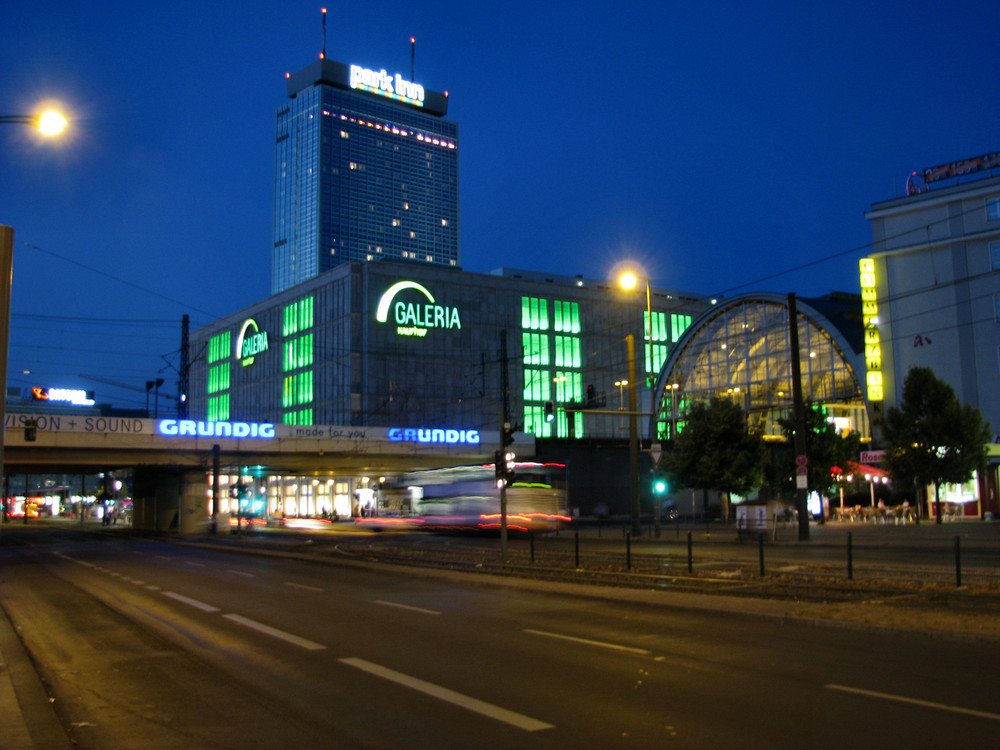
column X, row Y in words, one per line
column 932, row 438
column 825, row 448
column 716, row 450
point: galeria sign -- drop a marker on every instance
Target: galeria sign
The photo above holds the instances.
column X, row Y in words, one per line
column 415, row 318
column 250, row 342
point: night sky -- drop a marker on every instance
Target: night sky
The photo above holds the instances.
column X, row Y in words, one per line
column 728, row 146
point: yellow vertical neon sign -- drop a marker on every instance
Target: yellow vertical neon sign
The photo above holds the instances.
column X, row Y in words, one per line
column 873, row 345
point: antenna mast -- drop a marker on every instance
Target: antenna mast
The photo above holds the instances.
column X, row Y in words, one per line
column 413, row 49
column 323, row 53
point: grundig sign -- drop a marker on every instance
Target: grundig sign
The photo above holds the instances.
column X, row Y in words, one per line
column 250, row 342
column 415, row 318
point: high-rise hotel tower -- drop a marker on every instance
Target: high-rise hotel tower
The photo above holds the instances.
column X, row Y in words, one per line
column 366, row 169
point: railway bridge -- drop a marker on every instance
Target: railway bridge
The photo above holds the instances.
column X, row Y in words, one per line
column 176, row 462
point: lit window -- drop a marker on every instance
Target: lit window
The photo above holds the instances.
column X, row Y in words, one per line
column 444, row 222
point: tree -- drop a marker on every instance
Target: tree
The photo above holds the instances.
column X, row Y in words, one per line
column 825, row 448
column 933, row 438
column 716, row 450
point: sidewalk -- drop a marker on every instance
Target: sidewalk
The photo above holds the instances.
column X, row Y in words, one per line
column 29, row 721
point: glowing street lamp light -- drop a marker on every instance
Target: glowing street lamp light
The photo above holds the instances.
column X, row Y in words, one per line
column 48, row 123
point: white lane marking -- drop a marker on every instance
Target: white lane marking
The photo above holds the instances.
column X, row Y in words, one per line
column 241, row 573
column 436, row 691
column 164, row 557
column 192, row 602
column 195, row 564
column 302, row 586
column 407, row 607
column 915, row 702
column 274, row 632
column 153, row 588
column 138, row 582
column 588, row 642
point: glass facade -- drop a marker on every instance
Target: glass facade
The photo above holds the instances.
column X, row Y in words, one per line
column 296, row 364
column 741, row 351
column 361, row 178
column 542, row 350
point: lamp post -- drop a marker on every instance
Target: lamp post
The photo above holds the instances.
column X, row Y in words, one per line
column 628, row 281
column 49, row 123
column 621, row 393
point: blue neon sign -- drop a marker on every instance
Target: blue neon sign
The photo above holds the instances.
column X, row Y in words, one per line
column 422, row 435
column 198, row 428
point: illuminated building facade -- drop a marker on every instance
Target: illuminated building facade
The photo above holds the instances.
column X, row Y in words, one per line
column 936, row 273
column 740, row 349
column 412, row 346
column 366, row 169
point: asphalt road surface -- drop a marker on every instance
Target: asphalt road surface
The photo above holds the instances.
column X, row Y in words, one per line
column 145, row 644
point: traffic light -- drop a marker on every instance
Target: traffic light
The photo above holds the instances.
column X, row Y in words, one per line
column 507, row 434
column 659, row 485
column 499, row 468
column 591, row 395
column 549, row 413
column 30, row 430
column 509, row 473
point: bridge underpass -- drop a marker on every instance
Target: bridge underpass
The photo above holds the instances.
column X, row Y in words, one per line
column 175, row 464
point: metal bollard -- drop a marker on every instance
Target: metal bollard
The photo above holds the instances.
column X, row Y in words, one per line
column 958, row 563
column 760, row 546
column 690, row 559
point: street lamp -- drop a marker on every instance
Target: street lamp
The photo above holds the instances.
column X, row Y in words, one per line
column 49, row 123
column 621, row 393
column 628, row 280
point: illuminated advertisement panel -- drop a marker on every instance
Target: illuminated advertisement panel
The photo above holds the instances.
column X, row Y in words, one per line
column 873, row 345
column 251, row 342
column 414, row 310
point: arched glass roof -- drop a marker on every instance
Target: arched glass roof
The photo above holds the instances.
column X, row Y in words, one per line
column 740, row 350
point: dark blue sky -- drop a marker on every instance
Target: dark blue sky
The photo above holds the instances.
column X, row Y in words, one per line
column 719, row 143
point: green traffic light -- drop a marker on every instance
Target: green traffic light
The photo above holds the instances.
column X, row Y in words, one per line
column 659, row 486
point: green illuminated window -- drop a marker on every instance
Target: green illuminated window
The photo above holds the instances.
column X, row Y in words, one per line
column 567, row 351
column 297, row 389
column 534, row 421
column 299, row 417
column 537, row 385
column 678, row 324
column 298, row 316
column 218, row 378
column 219, row 347
column 562, row 423
column 298, row 352
column 567, row 316
column 534, row 314
column 218, row 408
column 536, row 348
column 656, row 333
column 568, row 386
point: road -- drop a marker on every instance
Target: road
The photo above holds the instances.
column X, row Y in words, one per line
column 145, row 644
